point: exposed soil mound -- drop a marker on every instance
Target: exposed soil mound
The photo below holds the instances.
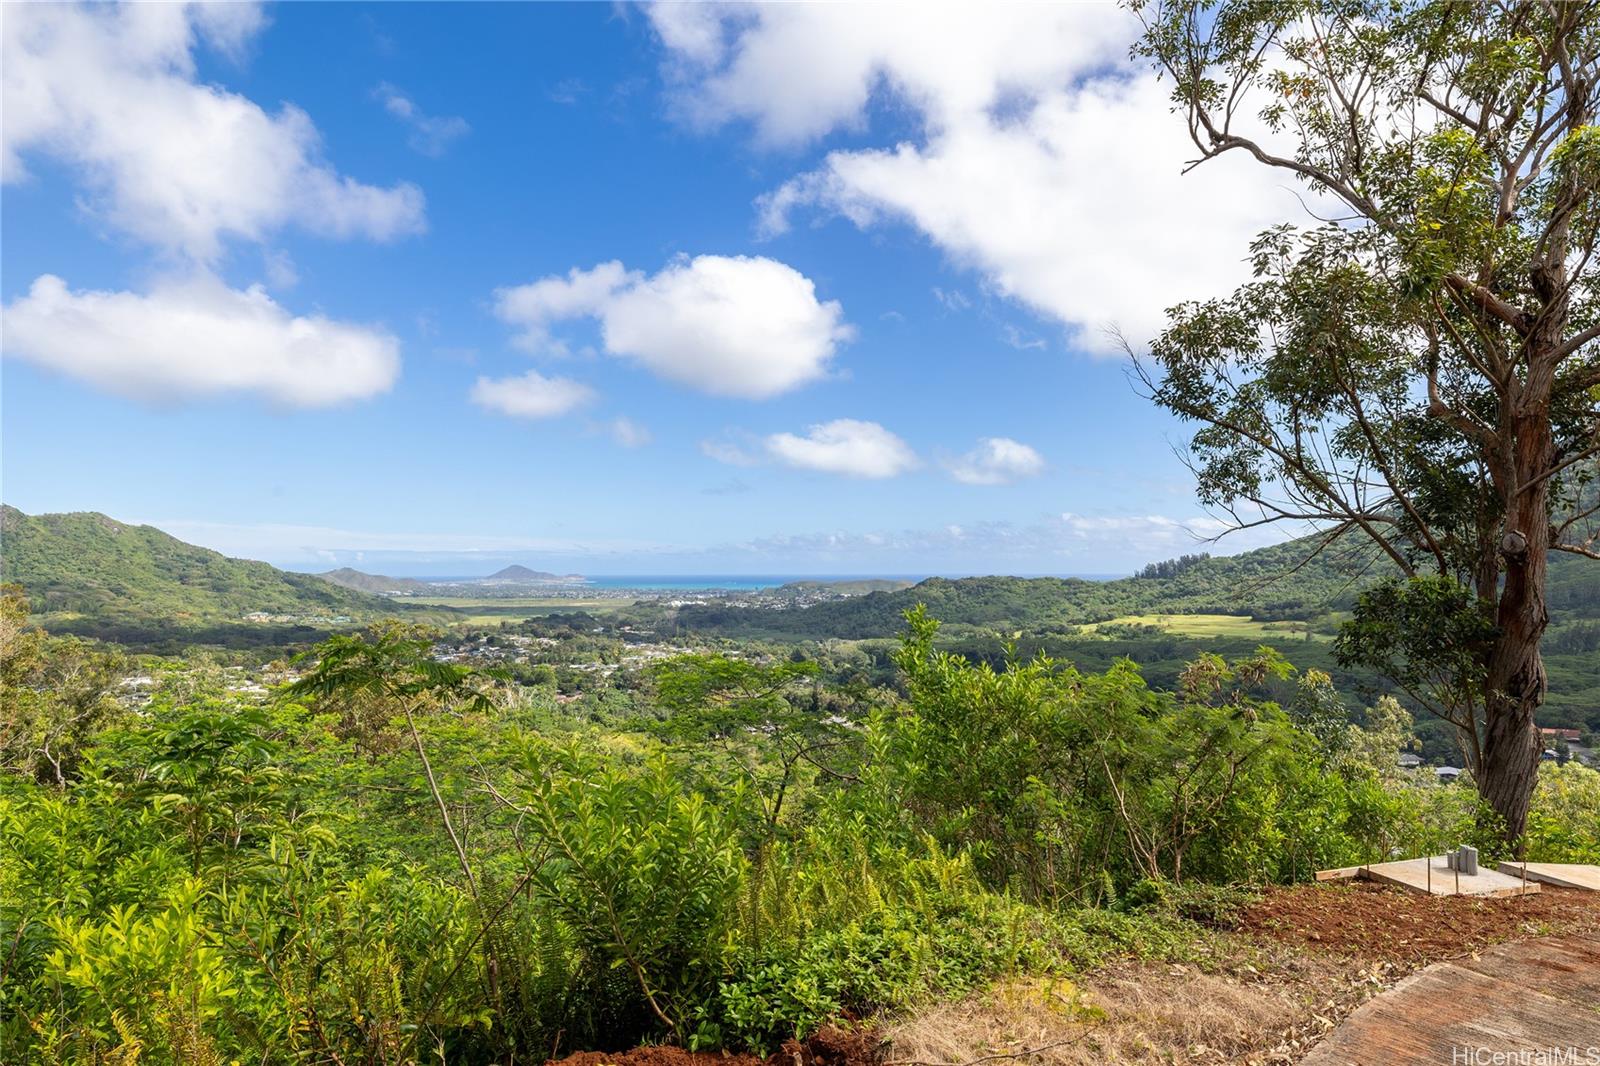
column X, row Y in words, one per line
column 1369, row 921
column 827, row 1047
column 830, row 1047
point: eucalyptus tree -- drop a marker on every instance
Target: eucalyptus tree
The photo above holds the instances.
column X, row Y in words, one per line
column 1414, row 364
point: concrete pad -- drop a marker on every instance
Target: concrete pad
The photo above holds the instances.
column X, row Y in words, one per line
column 1432, row 875
column 1513, row 1000
column 1567, row 967
column 1560, row 874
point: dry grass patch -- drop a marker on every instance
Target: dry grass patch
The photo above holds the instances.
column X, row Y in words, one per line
column 1268, row 1010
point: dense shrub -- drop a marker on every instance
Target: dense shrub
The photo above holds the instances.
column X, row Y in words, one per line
column 1564, row 825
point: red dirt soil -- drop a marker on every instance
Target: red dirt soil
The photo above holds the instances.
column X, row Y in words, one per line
column 1376, row 922
column 827, row 1047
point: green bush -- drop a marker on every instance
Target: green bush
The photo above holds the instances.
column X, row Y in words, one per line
column 644, row 871
column 1564, row 822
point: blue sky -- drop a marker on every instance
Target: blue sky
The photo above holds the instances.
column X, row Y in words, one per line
column 426, row 288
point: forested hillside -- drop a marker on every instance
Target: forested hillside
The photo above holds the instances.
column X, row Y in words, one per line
column 87, row 573
column 1268, row 584
column 1264, row 584
column 377, row 584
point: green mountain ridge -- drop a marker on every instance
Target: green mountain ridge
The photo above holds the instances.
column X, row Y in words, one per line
column 375, row 584
column 84, row 566
column 849, row 586
column 516, row 572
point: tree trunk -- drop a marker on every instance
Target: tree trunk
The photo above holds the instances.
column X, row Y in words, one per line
column 1511, row 750
column 1515, row 684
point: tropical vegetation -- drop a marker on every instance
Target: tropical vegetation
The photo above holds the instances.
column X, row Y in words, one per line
column 389, row 858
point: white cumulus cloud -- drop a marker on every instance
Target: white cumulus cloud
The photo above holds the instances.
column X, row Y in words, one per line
column 741, row 326
column 530, row 395
column 844, row 446
column 1045, row 161
column 996, row 461
column 197, row 337
column 111, row 91
column 798, row 71
column 538, row 305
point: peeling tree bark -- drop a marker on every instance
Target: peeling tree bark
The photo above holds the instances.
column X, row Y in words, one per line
column 1515, row 678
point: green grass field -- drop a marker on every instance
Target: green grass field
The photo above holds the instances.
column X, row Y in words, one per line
column 1210, row 625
